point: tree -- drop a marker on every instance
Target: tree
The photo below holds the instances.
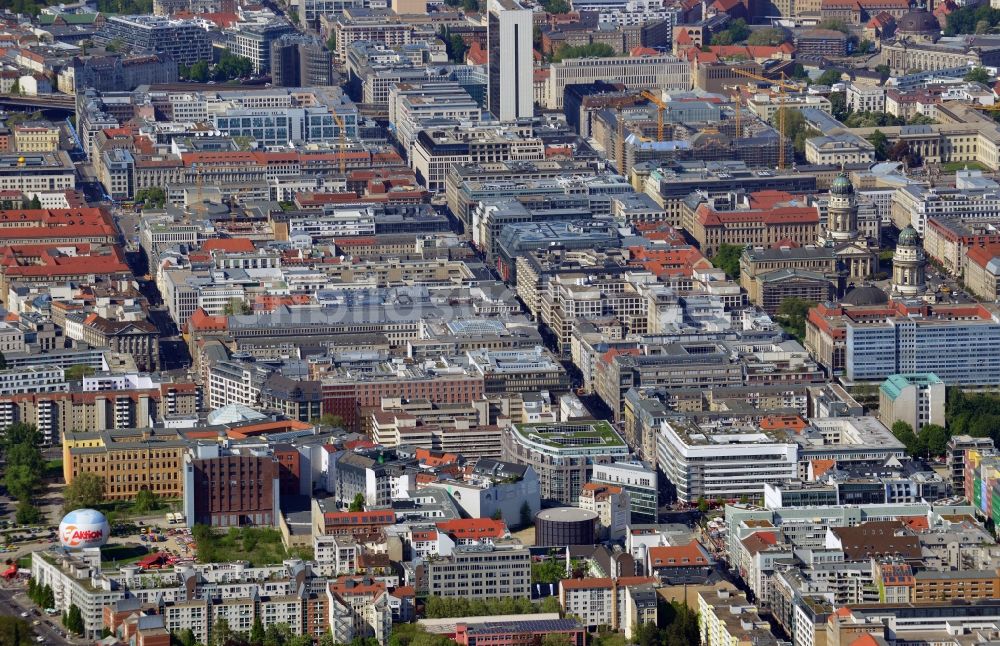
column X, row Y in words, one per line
column 47, row 597
column 550, row 604
column 836, row 24
column 829, row 77
column 231, row 66
column 883, row 71
column 146, row 501
column 74, row 620
column 881, row 143
column 257, row 630
column 19, row 434
column 736, row 32
column 197, row 72
column 792, row 315
column 703, row 505
column 35, row 203
column 221, row 632
column 935, row 438
column 551, row 570
column 727, row 258
column 865, row 47
column 154, row 197
column 457, row 49
column 556, row 6
column 795, row 122
column 525, row 514
column 237, row 306
column 358, row 504
column 977, row 75
column 681, row 625
column 767, row 36
column 86, row 490
column 15, row 632
column 838, row 105
column 21, row 482
column 904, row 433
column 646, row 635
column 593, row 50
column 15, row 88
column 116, row 45
column 78, row 372
column 979, row 19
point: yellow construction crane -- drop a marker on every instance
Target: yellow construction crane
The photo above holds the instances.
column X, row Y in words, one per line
column 737, row 97
column 782, row 85
column 660, row 109
column 343, row 141
column 620, row 142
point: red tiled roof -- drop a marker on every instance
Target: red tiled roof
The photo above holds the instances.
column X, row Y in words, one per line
column 779, row 215
column 678, row 555
column 201, row 321
column 232, row 245
column 982, row 255
column 819, row 467
column 472, row 528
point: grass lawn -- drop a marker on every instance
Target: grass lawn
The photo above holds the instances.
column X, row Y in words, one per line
column 115, row 556
column 609, row 639
column 951, row 167
column 53, row 469
column 258, row 545
column 24, row 561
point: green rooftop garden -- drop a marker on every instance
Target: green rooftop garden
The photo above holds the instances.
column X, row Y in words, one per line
column 584, row 433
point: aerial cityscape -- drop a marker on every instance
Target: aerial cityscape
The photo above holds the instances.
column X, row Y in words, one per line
column 500, row 322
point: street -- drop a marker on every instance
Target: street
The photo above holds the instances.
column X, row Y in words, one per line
column 14, row 602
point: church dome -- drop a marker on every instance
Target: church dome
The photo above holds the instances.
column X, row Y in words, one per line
column 841, row 185
column 908, row 237
column 865, row 295
column 918, row 22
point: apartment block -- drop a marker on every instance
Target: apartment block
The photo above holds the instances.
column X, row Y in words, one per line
column 481, row 572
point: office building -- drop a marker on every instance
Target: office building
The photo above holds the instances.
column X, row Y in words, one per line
column 510, row 86
column 481, row 572
column 958, row 343
column 230, row 488
column 563, row 455
column 129, row 460
column 653, row 72
column 720, row 463
column 639, row 481
column 34, row 172
column 36, row 138
column 298, row 60
column 185, row 41
column 604, row 601
column 917, row 399
column 254, row 42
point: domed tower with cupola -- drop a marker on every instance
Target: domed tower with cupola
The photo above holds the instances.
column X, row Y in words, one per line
column 841, row 232
column 909, row 265
column 842, row 211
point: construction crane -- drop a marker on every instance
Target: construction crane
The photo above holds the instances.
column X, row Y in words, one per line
column 620, row 142
column 343, row 141
column 737, row 98
column 782, row 85
column 199, row 188
column 660, row 109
